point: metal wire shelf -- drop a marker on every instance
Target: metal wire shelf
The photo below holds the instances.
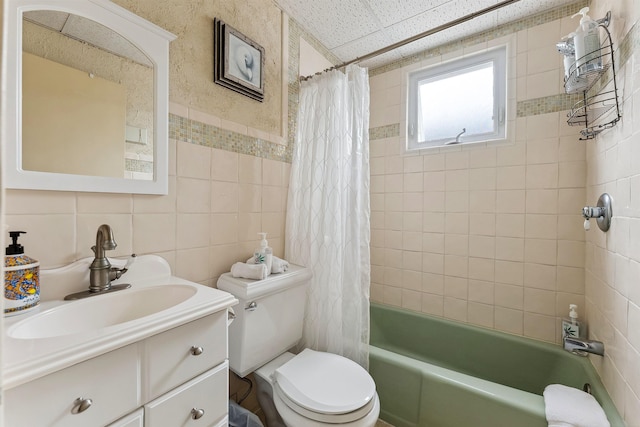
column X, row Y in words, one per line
column 599, row 111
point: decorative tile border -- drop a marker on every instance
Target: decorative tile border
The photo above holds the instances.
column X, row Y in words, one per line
column 563, row 102
column 381, row 132
column 194, row 132
column 133, row 165
column 292, row 82
column 548, row 104
column 502, row 30
column 627, row 46
column 187, row 130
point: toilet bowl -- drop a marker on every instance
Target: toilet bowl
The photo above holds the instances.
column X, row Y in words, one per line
column 310, row 389
column 315, row 389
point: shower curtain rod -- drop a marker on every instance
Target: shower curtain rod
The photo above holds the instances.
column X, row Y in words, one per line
column 418, row 36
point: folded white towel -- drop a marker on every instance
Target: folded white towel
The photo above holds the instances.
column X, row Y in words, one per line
column 569, row 407
column 249, row 271
column 278, row 265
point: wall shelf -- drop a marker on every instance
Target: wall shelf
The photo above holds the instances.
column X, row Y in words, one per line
column 595, row 79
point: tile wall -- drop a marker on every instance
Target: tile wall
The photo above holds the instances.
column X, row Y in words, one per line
column 492, row 235
column 489, row 234
column 612, row 266
column 217, row 203
column 228, row 181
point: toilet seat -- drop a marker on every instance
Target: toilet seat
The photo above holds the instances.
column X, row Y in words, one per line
column 325, row 387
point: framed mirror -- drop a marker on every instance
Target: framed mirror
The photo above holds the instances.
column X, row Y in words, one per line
column 87, row 98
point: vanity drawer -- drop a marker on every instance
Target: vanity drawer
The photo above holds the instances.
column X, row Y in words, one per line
column 134, row 419
column 109, row 380
column 182, row 353
column 207, row 393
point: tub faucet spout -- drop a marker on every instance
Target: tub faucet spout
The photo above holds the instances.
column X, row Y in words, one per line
column 582, row 347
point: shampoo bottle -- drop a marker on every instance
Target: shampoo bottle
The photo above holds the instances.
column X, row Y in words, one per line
column 568, row 50
column 264, row 254
column 587, row 43
column 21, row 278
column 571, row 326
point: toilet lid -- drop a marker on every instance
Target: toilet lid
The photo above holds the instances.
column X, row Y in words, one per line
column 325, row 383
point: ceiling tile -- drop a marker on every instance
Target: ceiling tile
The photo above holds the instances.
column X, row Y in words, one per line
column 437, row 16
column 98, row 35
column 49, row 18
column 390, row 12
column 363, row 46
column 381, row 60
column 482, row 23
column 333, row 22
column 353, row 28
column 523, row 9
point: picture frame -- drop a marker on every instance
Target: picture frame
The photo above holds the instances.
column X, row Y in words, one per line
column 238, row 61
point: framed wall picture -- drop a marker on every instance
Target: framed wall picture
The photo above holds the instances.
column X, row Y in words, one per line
column 238, row 61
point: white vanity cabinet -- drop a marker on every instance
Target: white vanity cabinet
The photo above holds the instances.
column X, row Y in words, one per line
column 196, row 352
column 179, row 354
column 178, row 377
column 110, row 381
column 199, row 402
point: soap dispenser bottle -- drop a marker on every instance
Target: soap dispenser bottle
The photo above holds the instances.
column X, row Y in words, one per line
column 571, row 326
column 264, row 254
column 21, row 278
column 587, row 43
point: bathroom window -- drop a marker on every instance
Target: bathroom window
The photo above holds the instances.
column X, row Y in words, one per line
column 458, row 102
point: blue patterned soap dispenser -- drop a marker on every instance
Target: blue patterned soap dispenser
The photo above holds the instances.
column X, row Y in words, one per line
column 21, row 278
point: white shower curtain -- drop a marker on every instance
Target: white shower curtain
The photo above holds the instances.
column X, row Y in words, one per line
column 328, row 211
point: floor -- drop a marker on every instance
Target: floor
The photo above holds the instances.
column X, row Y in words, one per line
column 381, row 423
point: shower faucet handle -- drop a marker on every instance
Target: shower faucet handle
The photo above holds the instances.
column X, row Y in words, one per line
column 602, row 213
column 592, row 212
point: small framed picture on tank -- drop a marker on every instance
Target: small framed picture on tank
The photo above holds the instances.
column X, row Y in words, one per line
column 238, row 61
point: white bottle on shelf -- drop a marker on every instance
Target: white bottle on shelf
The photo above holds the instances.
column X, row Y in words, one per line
column 568, row 50
column 571, row 326
column 587, row 43
column 264, row 254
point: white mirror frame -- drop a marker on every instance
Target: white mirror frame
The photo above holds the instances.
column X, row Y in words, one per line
column 151, row 39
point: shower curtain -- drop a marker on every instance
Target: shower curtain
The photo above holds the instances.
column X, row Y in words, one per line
column 328, row 211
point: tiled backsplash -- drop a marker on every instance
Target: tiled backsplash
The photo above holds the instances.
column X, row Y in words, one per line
column 217, row 203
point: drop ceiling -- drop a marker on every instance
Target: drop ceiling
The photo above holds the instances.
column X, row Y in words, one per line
column 353, row 28
column 87, row 31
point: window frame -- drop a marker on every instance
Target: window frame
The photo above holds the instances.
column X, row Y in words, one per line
column 498, row 57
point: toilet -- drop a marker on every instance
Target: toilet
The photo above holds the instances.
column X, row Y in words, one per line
column 310, row 389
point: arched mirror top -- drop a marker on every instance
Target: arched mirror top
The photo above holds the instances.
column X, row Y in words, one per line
column 87, row 98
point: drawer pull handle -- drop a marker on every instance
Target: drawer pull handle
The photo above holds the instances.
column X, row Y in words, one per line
column 80, row 405
column 197, row 351
column 196, row 413
column 252, row 306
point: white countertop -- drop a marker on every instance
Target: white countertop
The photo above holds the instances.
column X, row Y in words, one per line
column 24, row 360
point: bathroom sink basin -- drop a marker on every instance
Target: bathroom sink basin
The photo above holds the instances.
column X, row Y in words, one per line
column 103, row 311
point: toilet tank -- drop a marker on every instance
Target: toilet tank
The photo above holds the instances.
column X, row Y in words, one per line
column 269, row 317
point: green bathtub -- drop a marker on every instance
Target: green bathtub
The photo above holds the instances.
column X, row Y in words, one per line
column 432, row 372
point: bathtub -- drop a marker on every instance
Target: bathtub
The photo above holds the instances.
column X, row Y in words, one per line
column 432, row 372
